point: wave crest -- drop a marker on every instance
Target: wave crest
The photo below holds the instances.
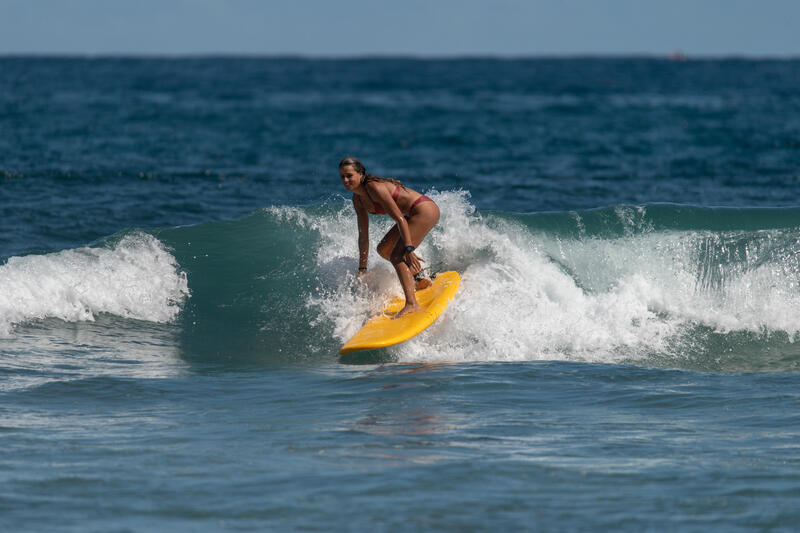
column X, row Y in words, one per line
column 531, row 293
column 134, row 278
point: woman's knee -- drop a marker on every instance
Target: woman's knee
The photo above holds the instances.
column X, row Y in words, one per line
column 396, row 256
column 384, row 250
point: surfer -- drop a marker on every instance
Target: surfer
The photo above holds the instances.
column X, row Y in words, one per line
column 414, row 213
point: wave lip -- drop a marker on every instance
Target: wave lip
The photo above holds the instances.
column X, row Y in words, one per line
column 136, row 277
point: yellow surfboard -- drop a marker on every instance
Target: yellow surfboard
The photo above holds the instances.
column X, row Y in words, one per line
column 382, row 330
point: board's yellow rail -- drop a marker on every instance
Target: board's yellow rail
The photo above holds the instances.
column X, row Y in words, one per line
column 382, row 330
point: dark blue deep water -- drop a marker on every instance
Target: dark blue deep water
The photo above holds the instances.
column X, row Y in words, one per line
column 177, row 260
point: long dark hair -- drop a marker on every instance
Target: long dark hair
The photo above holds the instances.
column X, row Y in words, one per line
column 359, row 167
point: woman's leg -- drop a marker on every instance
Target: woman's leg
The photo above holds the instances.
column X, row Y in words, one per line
column 423, row 217
column 386, row 245
column 422, row 221
column 385, row 248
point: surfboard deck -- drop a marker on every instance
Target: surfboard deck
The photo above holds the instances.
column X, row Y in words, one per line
column 382, row 330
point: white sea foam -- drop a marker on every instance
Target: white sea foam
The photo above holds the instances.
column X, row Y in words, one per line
column 136, row 278
column 528, row 295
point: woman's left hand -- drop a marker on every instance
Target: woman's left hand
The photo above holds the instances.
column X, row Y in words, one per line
column 413, row 262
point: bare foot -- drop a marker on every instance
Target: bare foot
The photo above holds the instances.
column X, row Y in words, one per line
column 407, row 309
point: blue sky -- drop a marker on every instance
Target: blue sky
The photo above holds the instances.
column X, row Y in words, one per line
column 410, row 27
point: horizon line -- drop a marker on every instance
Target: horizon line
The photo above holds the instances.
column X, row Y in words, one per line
column 676, row 56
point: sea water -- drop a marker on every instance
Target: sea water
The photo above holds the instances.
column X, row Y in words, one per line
column 177, row 273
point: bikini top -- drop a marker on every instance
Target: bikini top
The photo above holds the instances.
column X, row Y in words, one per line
column 379, row 210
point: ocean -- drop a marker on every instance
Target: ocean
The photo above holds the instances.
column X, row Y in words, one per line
column 177, row 274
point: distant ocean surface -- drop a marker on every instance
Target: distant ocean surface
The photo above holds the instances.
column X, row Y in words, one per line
column 177, row 260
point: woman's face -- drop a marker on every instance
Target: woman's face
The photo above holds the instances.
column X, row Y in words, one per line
column 350, row 178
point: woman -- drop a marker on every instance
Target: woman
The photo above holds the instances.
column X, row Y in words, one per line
column 414, row 213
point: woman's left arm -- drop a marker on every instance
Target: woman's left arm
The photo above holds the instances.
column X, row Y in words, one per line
column 393, row 210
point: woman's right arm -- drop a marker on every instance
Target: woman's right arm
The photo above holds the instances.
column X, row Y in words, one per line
column 363, row 234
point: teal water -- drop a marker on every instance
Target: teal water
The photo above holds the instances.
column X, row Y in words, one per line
column 447, row 447
column 177, row 275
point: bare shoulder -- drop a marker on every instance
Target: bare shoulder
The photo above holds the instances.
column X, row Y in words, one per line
column 380, row 189
column 374, row 185
column 358, row 204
